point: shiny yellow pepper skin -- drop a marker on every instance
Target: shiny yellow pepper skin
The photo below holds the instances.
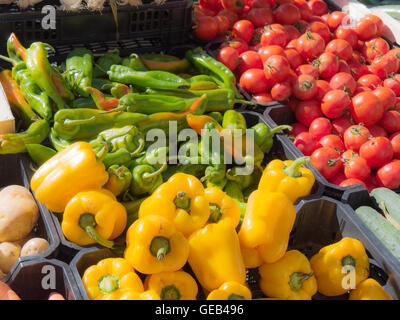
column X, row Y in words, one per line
column 215, row 255
column 70, row 171
column 288, row 177
column 146, row 295
column 154, row 245
column 111, row 279
column 230, row 290
column 94, row 216
column 369, row 289
column 177, row 285
column 289, row 278
column 222, row 206
column 267, row 224
column 332, row 262
column 181, row 200
column 251, row 257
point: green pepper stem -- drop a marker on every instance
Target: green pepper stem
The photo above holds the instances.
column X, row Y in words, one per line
column 170, row 293
column 147, row 175
column 235, row 296
column 297, row 279
column 279, row 128
column 293, row 169
column 108, row 283
column 182, row 201
column 88, row 223
column 12, row 61
column 215, row 213
column 160, row 247
column 348, row 261
column 245, row 102
column 139, row 148
column 101, row 154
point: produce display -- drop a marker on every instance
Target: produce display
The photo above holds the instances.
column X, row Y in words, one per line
column 164, row 181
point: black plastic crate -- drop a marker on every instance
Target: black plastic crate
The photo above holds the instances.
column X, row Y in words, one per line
column 36, row 279
column 170, row 22
column 11, row 172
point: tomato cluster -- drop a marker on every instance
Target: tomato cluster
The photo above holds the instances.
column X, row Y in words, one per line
column 342, row 82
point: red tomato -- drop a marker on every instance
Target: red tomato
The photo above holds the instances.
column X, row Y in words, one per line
column 237, row 44
column 223, row 24
column 337, row 179
column 371, row 182
column 305, row 143
column 348, row 155
column 249, row 60
column 366, row 108
column 322, row 29
column 292, row 44
column 355, row 136
column 393, row 83
column 201, row 12
column 327, row 161
column 305, row 88
column 232, row 16
column 362, row 89
column 254, row 81
column 214, row 5
column 386, row 96
column 319, row 128
column 287, row 13
column 307, row 111
column 260, row 17
column 229, row 57
column 378, row 21
column 377, row 151
column 336, row 18
column 340, row 125
column 233, row 5
column 357, row 69
column 396, row 54
column 371, row 81
column 343, row 81
column 327, row 64
column 351, row 182
column 318, row 7
column 266, row 51
column 348, row 34
column 295, row 59
column 340, row 48
column 390, row 121
column 297, row 128
column 274, row 36
column 305, row 11
column 332, row 141
column 366, row 29
column 243, row 29
column 323, row 88
column 335, row 103
column 307, row 69
column 344, row 67
column 377, row 131
column 292, row 32
column 261, row 4
column 276, row 68
column 206, row 28
column 292, row 103
column 395, row 141
column 263, row 97
column 384, row 66
column 302, row 26
column 281, row 91
column 357, row 168
column 310, row 45
column 388, row 176
column 374, row 48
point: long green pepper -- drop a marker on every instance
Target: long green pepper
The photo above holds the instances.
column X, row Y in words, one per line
column 79, row 70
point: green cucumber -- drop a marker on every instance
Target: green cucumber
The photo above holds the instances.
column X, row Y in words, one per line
column 382, row 228
column 388, row 201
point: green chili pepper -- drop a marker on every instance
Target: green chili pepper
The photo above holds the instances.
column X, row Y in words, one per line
column 40, row 153
column 121, row 157
column 119, row 181
column 103, row 85
column 134, row 62
column 150, row 79
column 132, row 210
column 37, row 99
column 202, row 82
column 16, row 142
column 119, row 90
column 244, row 181
column 15, row 50
column 217, row 116
column 79, row 70
column 127, row 137
column 58, row 143
column 234, row 120
column 84, row 103
column 194, row 169
column 104, row 63
column 154, row 157
column 164, row 62
column 263, row 136
column 145, row 179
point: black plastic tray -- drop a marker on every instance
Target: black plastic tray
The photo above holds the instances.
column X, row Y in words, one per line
column 36, row 279
column 11, row 173
column 170, row 22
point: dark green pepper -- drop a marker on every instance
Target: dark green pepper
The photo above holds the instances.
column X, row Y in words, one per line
column 145, row 179
column 121, row 157
column 263, row 136
column 84, row 103
column 79, row 70
column 58, row 143
column 104, row 63
column 103, row 85
column 40, row 153
column 119, row 181
column 234, row 190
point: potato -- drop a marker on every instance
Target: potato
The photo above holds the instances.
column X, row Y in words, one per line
column 9, row 253
column 18, row 213
column 34, row 246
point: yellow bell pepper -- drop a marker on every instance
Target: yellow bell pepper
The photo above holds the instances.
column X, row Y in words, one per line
column 215, row 255
column 181, row 200
column 146, row 295
column 289, row 278
column 177, row 285
column 230, row 290
column 288, row 177
column 369, row 289
column 111, row 279
column 70, row 171
column 154, row 245
column 94, row 216
column 332, row 266
column 251, row 257
column 267, row 224
column 222, row 206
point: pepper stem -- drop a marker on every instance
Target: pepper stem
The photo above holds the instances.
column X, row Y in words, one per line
column 215, row 213
column 170, row 293
column 147, row 175
column 139, row 148
column 235, row 296
column 102, row 152
column 182, row 201
column 108, row 283
column 88, row 223
column 279, row 128
column 12, row 61
column 293, row 169
column 297, row 279
column 160, row 247
column 348, row 261
column 245, row 102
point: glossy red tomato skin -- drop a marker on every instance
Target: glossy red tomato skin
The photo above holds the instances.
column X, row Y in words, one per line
column 266, row 51
column 308, row 69
column 335, row 103
column 327, row 64
column 378, row 21
column 323, row 88
column 377, row 131
column 307, row 111
column 322, row 29
column 254, row 81
column 276, row 68
column 388, row 176
column 263, row 97
column 395, row 141
column 332, row 141
column 206, row 28
column 377, row 151
column 352, row 182
column 340, row 48
column 355, row 136
column 386, row 96
column 393, row 83
column 305, row 143
column 340, row 125
column 260, row 17
column 348, row 34
column 318, row 7
column 337, row 179
column 371, row 81
column 305, row 88
column 357, row 69
column 320, row 127
column 390, row 121
column 281, row 91
column 348, row 155
column 327, row 161
column 335, row 19
column 374, row 48
column 384, row 66
column 229, row 57
column 287, row 14
column 366, row 29
column 396, row 53
column 297, row 128
column 237, row 44
column 366, row 108
column 295, row 59
column 310, row 45
column 274, row 36
column 357, row 168
column 249, row 60
column 343, row 81
column 344, row 67
column 243, row 29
